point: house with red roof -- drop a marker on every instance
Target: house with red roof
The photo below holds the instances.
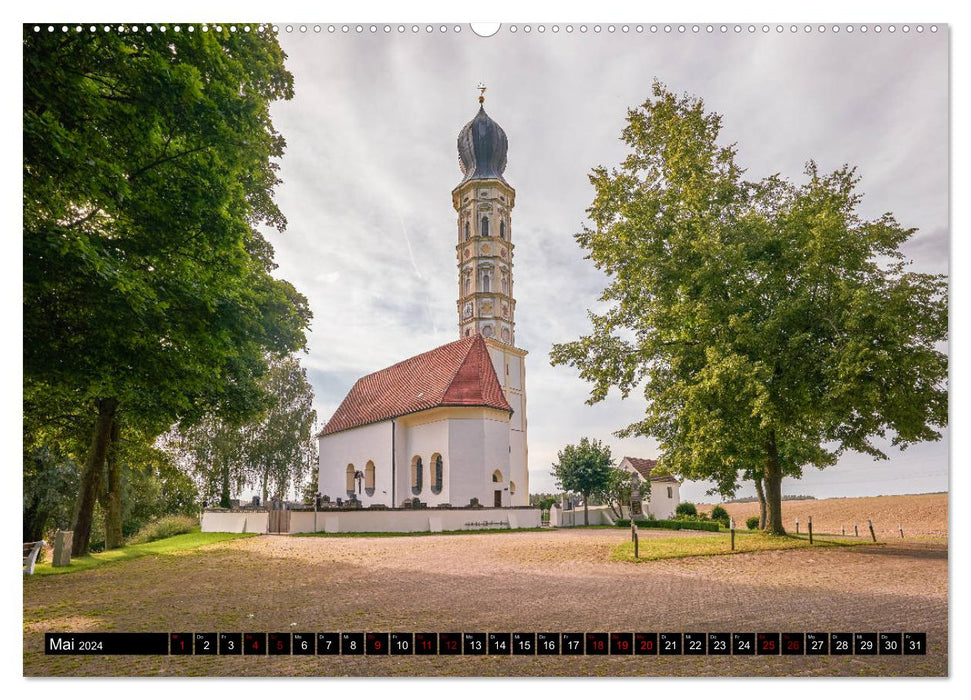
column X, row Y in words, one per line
column 665, row 494
column 448, row 426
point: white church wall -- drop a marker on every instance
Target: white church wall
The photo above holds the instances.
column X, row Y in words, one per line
column 515, row 371
column 660, row 505
column 425, row 520
column 425, row 439
column 234, row 522
column 498, row 362
column 516, row 402
column 357, row 446
column 497, row 453
column 517, row 467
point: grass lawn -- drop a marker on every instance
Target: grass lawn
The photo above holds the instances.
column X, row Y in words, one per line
column 420, row 534
column 170, row 545
column 716, row 544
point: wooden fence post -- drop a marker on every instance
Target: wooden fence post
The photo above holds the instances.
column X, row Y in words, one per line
column 797, row 526
column 810, row 529
column 901, row 528
column 872, row 533
column 843, row 528
column 856, row 531
column 731, row 525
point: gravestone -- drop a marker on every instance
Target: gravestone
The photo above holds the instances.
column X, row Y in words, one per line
column 63, row 541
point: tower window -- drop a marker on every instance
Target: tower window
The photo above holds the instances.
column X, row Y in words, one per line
column 485, row 282
column 505, row 285
column 502, row 229
column 466, row 229
column 484, row 226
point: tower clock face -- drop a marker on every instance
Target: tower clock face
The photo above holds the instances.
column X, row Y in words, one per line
column 467, row 310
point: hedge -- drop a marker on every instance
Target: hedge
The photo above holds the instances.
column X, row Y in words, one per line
column 710, row 526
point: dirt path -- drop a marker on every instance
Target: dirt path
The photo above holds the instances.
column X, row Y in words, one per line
column 517, row 582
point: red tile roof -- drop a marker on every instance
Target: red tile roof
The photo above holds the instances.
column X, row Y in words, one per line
column 456, row 374
column 644, row 467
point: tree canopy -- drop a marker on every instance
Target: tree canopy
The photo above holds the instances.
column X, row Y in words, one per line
column 148, row 171
column 769, row 326
column 584, row 468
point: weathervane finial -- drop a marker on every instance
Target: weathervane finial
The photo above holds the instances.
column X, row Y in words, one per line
column 481, row 88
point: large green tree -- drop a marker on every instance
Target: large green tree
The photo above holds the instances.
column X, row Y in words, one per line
column 279, row 446
column 584, row 468
column 273, row 449
column 770, row 326
column 148, row 171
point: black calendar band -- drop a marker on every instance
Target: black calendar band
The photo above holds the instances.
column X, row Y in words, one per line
column 487, row 643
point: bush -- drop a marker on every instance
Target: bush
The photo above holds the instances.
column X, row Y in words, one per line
column 663, row 524
column 721, row 515
column 710, row 525
column 752, row 523
column 169, row 526
column 622, row 522
column 681, row 524
column 686, row 509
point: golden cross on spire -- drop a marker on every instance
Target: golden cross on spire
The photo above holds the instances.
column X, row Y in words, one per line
column 481, row 87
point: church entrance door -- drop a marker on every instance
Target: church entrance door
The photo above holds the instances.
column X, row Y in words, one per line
column 498, row 500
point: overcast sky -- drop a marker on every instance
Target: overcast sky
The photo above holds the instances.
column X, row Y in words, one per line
column 371, row 161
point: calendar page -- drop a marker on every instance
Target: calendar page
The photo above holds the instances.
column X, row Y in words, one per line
column 486, row 350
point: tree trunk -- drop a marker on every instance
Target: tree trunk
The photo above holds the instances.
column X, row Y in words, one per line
column 760, row 492
column 91, row 476
column 586, row 517
column 113, row 531
column 266, row 475
column 35, row 520
column 773, row 488
column 224, row 493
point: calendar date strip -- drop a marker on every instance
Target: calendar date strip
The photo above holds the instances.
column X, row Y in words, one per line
column 486, row 643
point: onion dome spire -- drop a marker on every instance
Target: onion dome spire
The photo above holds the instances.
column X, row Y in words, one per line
column 482, row 146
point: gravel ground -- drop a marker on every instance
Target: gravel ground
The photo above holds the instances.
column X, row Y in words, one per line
column 556, row 581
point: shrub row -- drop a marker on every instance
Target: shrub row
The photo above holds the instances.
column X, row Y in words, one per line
column 672, row 524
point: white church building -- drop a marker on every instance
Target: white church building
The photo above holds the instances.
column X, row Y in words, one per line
column 448, row 426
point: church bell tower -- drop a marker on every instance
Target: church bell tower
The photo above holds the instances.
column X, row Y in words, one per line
column 486, row 304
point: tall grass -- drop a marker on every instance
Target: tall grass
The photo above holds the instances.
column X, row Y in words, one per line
column 169, row 526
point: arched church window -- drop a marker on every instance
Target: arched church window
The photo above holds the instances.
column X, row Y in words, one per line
column 497, row 476
column 369, row 478
column 349, row 479
column 467, row 226
column 512, row 487
column 485, row 282
column 484, row 226
column 416, row 474
column 438, row 473
column 502, row 229
column 468, row 284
